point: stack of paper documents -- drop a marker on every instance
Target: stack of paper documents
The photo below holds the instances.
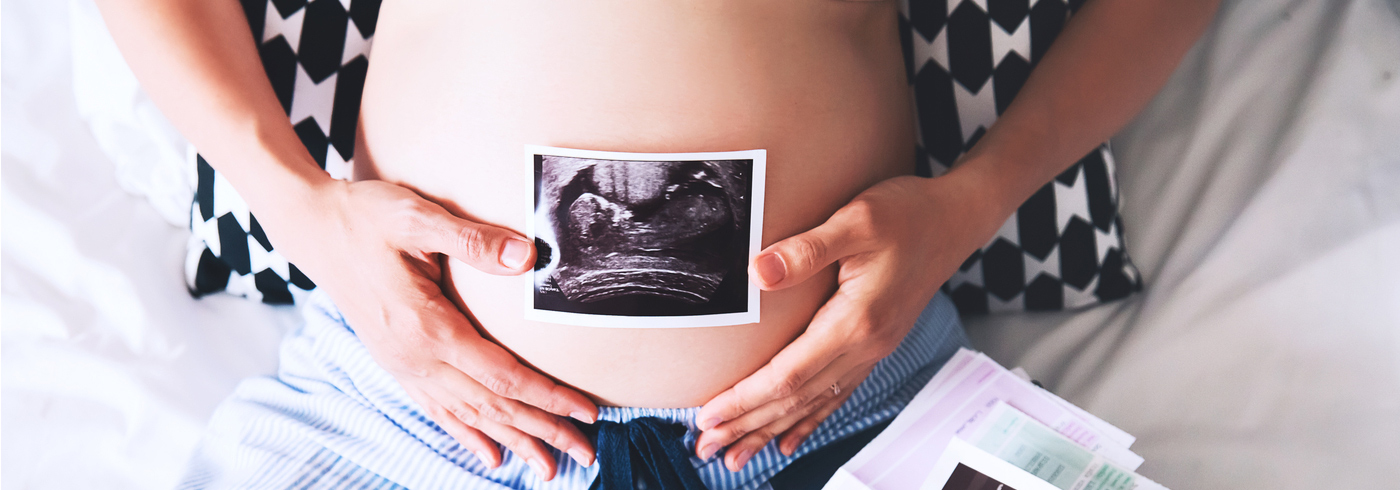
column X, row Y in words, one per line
column 978, row 425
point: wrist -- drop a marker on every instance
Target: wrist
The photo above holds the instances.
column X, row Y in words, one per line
column 291, row 197
column 987, row 194
column 284, row 183
column 267, row 163
column 304, row 221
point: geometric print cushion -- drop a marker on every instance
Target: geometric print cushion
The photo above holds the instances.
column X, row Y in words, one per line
column 965, row 60
column 1064, row 247
column 316, row 55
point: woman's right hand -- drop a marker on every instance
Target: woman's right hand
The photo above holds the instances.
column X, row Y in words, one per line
column 379, row 249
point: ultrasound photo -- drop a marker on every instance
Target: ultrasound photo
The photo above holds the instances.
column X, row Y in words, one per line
column 966, row 478
column 635, row 240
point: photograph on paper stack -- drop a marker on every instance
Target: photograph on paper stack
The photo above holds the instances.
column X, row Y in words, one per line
column 966, row 478
column 644, row 240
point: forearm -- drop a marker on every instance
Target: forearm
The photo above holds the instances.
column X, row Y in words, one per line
column 1109, row 61
column 198, row 61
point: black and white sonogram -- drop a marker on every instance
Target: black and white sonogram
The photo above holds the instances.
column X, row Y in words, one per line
column 966, row 478
column 645, row 240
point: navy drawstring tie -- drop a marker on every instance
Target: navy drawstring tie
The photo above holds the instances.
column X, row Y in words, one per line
column 646, row 450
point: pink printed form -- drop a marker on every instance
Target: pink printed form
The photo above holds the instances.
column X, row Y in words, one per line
column 951, row 373
column 925, row 426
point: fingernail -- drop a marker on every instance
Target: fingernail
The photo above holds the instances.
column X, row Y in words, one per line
column 582, row 417
column 743, row 459
column 485, row 460
column 771, row 269
column 709, row 451
column 790, row 447
column 579, row 456
column 537, row 466
column 710, row 423
column 515, row 252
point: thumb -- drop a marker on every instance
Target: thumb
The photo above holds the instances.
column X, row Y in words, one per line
column 490, row 249
column 790, row 262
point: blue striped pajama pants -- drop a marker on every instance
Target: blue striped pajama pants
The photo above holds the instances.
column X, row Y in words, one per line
column 332, row 418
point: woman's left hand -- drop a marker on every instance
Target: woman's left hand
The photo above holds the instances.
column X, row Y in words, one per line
column 895, row 244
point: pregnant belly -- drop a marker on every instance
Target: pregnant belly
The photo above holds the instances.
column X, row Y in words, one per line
column 457, row 89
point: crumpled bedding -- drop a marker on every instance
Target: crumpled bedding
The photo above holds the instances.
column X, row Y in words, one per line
column 110, row 369
column 1261, row 195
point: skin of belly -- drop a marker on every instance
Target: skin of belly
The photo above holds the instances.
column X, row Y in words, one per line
column 457, row 88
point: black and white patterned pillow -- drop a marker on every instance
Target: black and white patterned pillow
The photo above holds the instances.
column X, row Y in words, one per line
column 966, row 60
column 316, row 55
column 1064, row 247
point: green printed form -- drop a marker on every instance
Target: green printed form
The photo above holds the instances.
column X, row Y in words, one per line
column 1016, row 438
column 1111, row 478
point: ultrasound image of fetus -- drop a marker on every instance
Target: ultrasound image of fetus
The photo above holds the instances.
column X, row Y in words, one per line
column 672, row 233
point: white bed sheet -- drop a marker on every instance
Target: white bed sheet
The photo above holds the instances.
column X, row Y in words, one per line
column 110, row 369
column 1261, row 195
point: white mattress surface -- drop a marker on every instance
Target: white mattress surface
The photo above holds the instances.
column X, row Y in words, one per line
column 1261, row 194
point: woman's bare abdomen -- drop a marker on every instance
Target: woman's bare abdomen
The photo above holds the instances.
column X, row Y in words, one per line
column 457, row 88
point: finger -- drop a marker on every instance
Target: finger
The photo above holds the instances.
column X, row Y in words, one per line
column 793, row 260
column 793, row 407
column 794, row 436
column 482, row 405
column 490, row 249
column 484, row 448
column 524, row 446
column 501, row 373
column 744, row 449
column 751, row 443
column 788, row 371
